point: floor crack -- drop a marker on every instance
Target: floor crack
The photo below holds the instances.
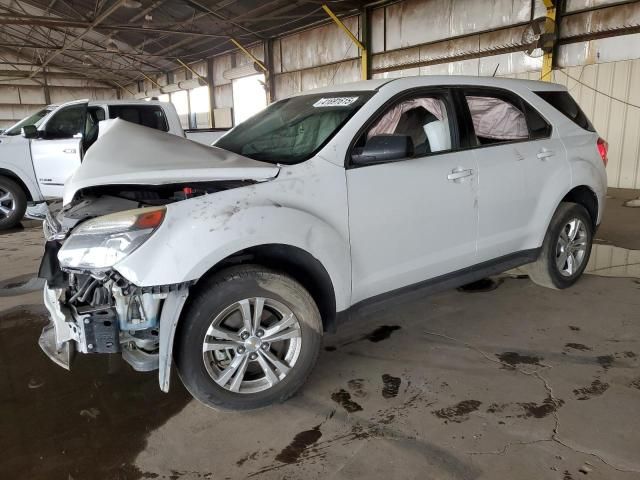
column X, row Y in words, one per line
column 554, row 437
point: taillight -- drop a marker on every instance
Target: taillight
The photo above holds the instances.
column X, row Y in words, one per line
column 603, row 149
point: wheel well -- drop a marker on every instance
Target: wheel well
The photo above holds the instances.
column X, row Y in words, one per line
column 301, row 265
column 584, row 196
column 15, row 178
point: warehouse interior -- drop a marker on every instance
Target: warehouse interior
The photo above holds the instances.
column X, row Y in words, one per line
column 498, row 379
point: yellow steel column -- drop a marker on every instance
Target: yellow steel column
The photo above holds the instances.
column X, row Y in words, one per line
column 249, row 54
column 151, row 80
column 354, row 39
column 193, row 72
column 549, row 28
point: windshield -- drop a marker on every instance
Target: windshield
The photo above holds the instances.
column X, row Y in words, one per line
column 294, row 129
column 35, row 119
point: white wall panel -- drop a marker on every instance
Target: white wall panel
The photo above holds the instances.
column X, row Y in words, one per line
column 377, row 30
column 338, row 73
column 573, row 5
column 510, row 63
column 287, row 84
column 319, row 46
column 61, row 94
column 277, row 59
column 257, row 51
column 9, row 95
column 614, row 110
column 220, row 64
column 223, row 95
column 10, row 114
column 33, row 95
column 414, row 22
column 603, row 50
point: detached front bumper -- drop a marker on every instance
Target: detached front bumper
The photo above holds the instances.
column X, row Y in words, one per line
column 59, row 337
column 90, row 330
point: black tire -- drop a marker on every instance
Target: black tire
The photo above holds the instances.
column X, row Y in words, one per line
column 19, row 205
column 217, row 294
column 545, row 271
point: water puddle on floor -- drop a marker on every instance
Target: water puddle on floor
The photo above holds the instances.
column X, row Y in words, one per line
column 90, row 422
column 612, row 261
column 20, row 285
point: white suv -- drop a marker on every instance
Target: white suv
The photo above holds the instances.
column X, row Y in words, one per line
column 234, row 259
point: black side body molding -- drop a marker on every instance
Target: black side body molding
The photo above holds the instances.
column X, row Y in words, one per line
column 434, row 285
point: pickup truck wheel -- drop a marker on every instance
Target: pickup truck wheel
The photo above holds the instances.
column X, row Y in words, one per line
column 13, row 203
column 566, row 248
column 249, row 337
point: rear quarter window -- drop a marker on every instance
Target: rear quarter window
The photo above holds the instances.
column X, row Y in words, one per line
column 565, row 104
column 151, row 116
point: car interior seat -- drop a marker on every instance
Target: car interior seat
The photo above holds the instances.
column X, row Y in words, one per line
column 412, row 123
column 438, row 136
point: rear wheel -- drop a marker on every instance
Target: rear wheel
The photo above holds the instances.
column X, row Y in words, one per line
column 13, row 203
column 566, row 248
column 251, row 338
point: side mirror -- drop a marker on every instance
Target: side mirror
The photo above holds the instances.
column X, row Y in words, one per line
column 30, row 131
column 383, row 148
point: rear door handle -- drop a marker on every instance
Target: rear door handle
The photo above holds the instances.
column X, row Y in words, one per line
column 69, row 150
column 458, row 174
column 542, row 154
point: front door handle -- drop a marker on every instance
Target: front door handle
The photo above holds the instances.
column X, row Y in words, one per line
column 69, row 150
column 544, row 153
column 458, row 174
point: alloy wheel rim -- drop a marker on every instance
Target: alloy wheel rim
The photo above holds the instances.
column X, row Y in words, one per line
column 571, row 248
column 7, row 203
column 252, row 345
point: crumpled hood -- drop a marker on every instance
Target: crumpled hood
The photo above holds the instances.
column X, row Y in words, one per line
column 130, row 154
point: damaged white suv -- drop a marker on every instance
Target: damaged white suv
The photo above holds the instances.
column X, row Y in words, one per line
column 234, row 259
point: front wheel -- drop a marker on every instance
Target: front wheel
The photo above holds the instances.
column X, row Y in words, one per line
column 566, row 248
column 250, row 338
column 13, row 203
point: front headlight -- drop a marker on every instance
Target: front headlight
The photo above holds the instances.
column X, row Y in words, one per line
column 102, row 242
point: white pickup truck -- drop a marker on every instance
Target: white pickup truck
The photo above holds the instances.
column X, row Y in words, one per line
column 39, row 153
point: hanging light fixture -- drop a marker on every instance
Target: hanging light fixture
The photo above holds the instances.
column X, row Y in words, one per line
column 112, row 46
column 131, row 4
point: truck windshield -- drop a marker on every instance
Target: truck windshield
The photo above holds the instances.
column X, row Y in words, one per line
column 35, row 119
column 292, row 130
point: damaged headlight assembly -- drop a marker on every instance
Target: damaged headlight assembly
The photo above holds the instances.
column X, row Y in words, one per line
column 100, row 243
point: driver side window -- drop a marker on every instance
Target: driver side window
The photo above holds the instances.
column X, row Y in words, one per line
column 67, row 123
column 424, row 119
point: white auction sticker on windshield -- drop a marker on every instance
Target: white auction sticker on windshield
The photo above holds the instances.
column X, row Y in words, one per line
column 335, row 102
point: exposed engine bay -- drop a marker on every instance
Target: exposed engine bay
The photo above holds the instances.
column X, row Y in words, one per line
column 98, row 310
column 98, row 201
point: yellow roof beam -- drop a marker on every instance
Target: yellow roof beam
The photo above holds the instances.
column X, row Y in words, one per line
column 363, row 50
column 249, row 54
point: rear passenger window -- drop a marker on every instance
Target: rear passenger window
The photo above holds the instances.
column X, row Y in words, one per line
column 538, row 126
column 496, row 120
column 564, row 102
column 151, row 116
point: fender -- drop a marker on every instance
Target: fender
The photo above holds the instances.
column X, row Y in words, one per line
column 583, row 172
column 588, row 182
column 183, row 252
column 188, row 245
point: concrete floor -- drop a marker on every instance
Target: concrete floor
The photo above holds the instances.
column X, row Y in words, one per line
column 517, row 382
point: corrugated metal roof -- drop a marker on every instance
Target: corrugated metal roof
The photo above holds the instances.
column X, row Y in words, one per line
column 151, row 37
